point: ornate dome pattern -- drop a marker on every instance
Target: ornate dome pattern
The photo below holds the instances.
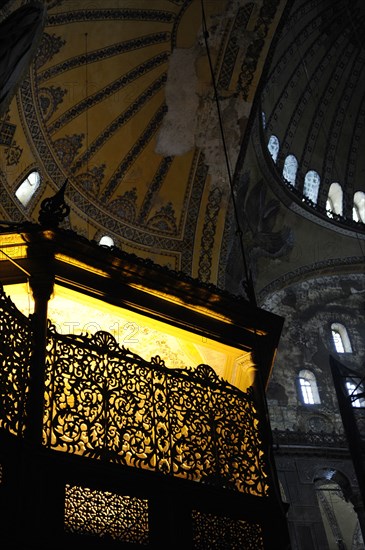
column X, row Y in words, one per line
column 314, row 104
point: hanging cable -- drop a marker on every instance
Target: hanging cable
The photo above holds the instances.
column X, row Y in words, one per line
column 248, row 284
column 87, row 119
column 15, row 263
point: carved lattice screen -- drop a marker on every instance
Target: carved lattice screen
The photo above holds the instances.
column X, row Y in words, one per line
column 210, row 531
column 102, row 513
column 15, row 353
column 105, row 402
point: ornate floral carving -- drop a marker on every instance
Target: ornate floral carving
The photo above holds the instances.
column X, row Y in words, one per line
column 209, row 229
column 49, row 99
column 91, row 181
column 235, row 534
column 13, row 154
column 164, row 220
column 125, row 205
column 15, row 352
column 103, row 401
column 266, row 15
column 49, row 46
column 105, row 514
column 7, row 131
column 68, row 147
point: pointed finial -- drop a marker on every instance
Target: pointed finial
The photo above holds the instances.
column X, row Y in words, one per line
column 54, row 209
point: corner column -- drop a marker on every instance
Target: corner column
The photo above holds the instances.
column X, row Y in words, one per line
column 41, row 257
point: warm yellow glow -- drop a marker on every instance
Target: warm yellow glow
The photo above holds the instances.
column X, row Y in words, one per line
column 99, row 513
column 22, row 297
column 81, row 265
column 76, row 313
column 200, row 309
column 73, row 312
column 177, row 300
column 12, row 245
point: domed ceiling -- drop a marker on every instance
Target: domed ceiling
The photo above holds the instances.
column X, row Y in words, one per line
column 314, row 100
column 119, row 102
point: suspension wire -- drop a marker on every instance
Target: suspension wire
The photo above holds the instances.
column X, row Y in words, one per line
column 248, row 284
column 15, row 263
column 86, row 96
column 87, row 118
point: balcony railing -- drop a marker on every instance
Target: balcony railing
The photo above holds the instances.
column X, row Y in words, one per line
column 15, row 351
column 104, row 402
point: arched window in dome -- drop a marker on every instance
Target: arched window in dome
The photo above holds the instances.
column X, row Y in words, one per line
column 28, row 187
column 263, row 120
column 340, row 338
column 311, row 185
column 106, row 241
column 334, row 204
column 358, row 211
column 290, row 169
column 273, row 147
column 308, row 387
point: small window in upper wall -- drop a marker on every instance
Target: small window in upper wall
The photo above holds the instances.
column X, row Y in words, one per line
column 28, row 187
column 290, row 169
column 106, row 241
column 358, row 211
column 311, row 185
column 356, row 393
column 263, row 120
column 340, row 338
column 334, row 204
column 273, row 147
column 308, row 387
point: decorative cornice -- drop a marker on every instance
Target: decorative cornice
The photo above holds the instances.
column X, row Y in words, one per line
column 29, row 228
column 309, row 271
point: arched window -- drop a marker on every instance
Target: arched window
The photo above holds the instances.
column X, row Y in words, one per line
column 334, row 204
column 106, row 241
column 308, row 387
column 273, row 147
column 358, row 211
column 340, row 521
column 28, row 187
column 290, row 169
column 263, row 120
column 311, row 185
column 356, row 392
column 341, row 338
